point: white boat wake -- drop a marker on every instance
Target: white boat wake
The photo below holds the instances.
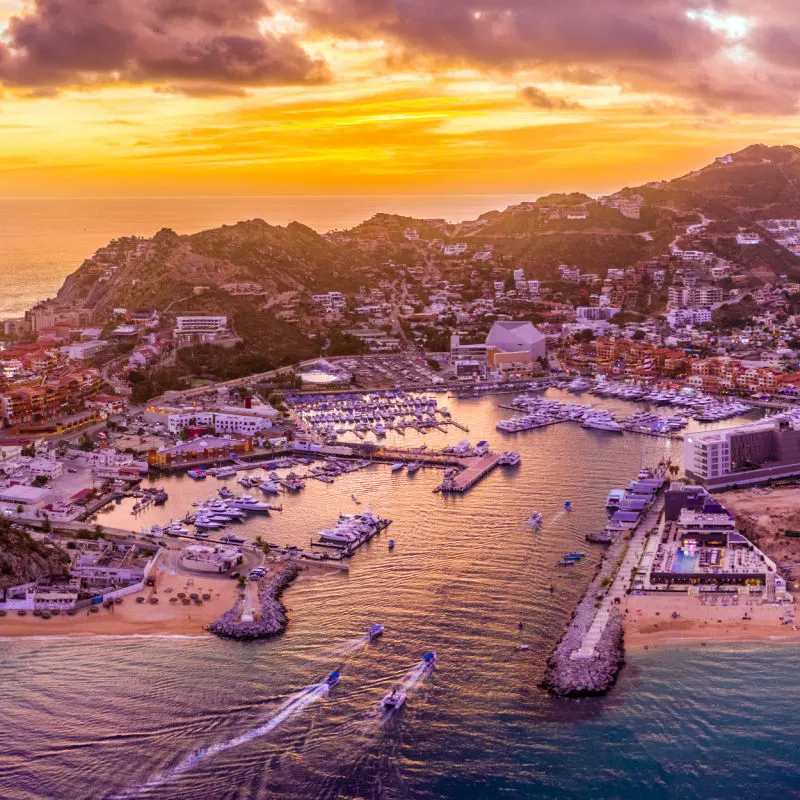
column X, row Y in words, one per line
column 292, row 706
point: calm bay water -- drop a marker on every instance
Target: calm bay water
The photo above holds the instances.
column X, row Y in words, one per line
column 43, row 240
column 121, row 717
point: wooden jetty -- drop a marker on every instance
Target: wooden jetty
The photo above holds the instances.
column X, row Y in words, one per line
column 477, row 468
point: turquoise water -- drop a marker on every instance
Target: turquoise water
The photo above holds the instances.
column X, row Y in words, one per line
column 202, row 718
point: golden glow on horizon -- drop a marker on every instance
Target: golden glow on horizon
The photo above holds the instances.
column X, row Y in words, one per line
column 378, row 127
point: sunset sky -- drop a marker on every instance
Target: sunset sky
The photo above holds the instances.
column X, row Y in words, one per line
column 172, row 97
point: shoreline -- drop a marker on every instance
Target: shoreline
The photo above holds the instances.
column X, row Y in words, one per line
column 132, row 619
column 649, row 622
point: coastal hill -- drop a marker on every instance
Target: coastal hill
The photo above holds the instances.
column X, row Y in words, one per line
column 166, row 268
column 635, row 223
column 23, row 559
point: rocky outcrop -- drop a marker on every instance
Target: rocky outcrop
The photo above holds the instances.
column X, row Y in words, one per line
column 272, row 618
column 24, row 559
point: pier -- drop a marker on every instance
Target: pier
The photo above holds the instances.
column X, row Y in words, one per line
column 477, row 467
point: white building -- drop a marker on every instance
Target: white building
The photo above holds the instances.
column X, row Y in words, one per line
column 83, row 351
column 330, row 302
column 227, row 419
column 748, row 238
column 517, row 337
column 198, row 330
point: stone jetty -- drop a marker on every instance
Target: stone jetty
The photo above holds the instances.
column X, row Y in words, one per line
column 272, row 617
column 571, row 677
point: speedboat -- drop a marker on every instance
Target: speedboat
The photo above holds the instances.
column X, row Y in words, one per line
column 333, row 678
column 393, row 700
column 391, row 544
column 535, row 519
column 428, row 660
column 375, row 631
column 568, row 505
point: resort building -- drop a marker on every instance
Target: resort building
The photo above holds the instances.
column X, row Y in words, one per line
column 745, row 455
column 703, row 548
column 199, row 330
column 202, row 558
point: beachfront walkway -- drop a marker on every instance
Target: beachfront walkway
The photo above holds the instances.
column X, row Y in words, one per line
column 622, row 579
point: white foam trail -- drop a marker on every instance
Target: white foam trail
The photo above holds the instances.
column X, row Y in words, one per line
column 351, row 646
column 290, row 707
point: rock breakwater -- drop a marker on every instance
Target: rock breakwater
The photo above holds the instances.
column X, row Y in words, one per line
column 272, row 617
column 568, row 677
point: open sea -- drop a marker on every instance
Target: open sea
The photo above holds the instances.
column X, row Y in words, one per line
column 43, row 240
column 189, row 718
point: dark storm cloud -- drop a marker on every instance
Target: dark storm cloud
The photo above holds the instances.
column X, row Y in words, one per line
column 535, row 97
column 505, row 33
column 641, row 45
column 59, row 43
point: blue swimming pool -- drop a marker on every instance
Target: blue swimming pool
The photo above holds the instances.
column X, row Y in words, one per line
column 683, row 563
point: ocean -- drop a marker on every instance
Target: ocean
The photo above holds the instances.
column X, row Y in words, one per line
column 44, row 240
column 189, row 718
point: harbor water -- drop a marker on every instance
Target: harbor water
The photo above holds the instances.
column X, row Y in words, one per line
column 198, row 717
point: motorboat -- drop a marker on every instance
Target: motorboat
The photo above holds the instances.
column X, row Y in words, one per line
column 269, row 487
column 225, row 493
column 568, row 505
column 535, row 520
column 225, row 472
column 413, row 467
column 160, row 497
column 248, row 503
column 197, row 474
column 391, row 544
column 232, row 540
column 206, row 523
column 394, row 699
column 333, row 678
column 397, row 466
column 375, row 631
column 615, row 497
column 429, row 660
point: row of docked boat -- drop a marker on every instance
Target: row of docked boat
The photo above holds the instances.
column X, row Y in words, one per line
column 646, row 422
column 411, row 467
column 378, row 412
column 627, row 506
column 703, row 407
column 352, row 530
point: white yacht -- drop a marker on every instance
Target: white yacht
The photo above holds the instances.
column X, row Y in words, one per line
column 248, row 503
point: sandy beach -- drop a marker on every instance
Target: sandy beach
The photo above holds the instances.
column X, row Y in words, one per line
column 764, row 516
column 649, row 621
column 130, row 618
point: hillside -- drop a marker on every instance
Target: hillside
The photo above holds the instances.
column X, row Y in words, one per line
column 23, row 559
column 734, row 192
column 168, row 267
